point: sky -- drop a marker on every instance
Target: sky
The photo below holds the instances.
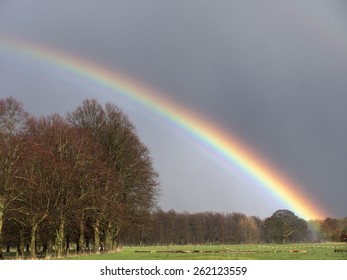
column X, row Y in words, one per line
column 272, row 73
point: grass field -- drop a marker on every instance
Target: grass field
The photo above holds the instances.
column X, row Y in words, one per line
column 308, row 251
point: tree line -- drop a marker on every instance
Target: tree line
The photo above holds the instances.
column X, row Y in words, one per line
column 81, row 178
column 283, row 226
column 167, row 228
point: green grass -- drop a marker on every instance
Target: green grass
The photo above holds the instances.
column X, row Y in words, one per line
column 308, row 251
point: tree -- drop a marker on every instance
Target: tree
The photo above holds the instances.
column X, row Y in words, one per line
column 34, row 188
column 135, row 189
column 12, row 119
column 284, row 226
column 330, row 229
column 243, row 229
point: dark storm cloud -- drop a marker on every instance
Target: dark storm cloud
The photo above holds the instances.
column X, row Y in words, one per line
column 272, row 73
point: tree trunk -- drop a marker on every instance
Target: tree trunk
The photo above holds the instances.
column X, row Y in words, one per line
column 108, row 238
column 33, row 241
column 20, row 244
column 96, row 236
column 115, row 239
column 1, row 223
column 67, row 245
column 59, row 242
column 80, row 242
column 45, row 249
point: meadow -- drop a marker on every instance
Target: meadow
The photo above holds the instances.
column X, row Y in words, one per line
column 302, row 251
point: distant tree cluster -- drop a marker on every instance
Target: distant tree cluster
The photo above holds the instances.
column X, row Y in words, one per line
column 334, row 230
column 82, row 178
column 215, row 228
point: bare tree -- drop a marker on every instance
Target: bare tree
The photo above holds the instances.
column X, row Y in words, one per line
column 63, row 166
column 12, row 118
column 134, row 186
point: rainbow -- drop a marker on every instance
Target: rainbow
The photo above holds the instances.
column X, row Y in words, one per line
column 228, row 148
